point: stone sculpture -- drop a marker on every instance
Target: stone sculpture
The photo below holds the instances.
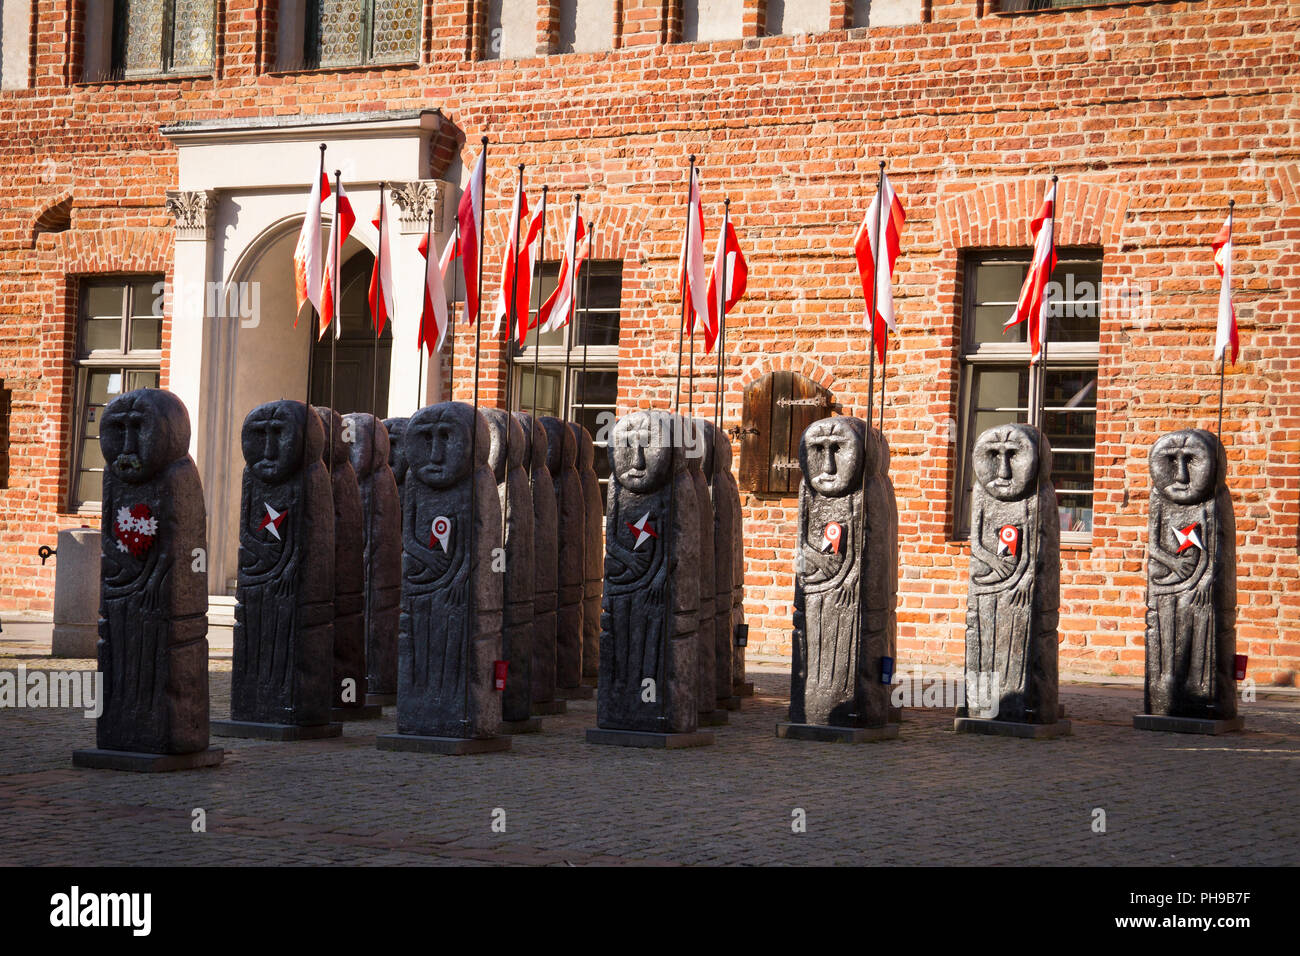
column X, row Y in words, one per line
column 1014, row 592
column 880, row 596
column 381, row 525
column 571, row 511
column 839, row 686
column 281, row 684
column 1191, row 616
column 649, row 674
column 153, row 647
column 506, row 459
column 707, row 714
column 449, row 636
column 593, row 554
column 396, row 428
column 725, row 499
column 546, row 544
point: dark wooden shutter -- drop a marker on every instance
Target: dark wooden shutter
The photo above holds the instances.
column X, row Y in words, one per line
column 778, row 408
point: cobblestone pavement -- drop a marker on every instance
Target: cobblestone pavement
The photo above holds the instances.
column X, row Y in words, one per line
column 930, row 797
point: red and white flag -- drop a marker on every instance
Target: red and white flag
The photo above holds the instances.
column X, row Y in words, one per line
column 515, row 274
column 381, row 276
column 433, row 314
column 728, row 265
column 533, row 248
column 558, row 308
column 1227, row 333
column 1033, row 304
column 470, row 217
column 694, row 280
column 306, row 255
column 876, row 247
column 344, row 220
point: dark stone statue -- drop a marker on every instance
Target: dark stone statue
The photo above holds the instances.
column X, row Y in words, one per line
column 449, row 637
column 284, row 611
column 880, row 590
column 382, row 559
column 837, row 665
column 593, row 554
column 349, row 682
column 1191, row 582
column 571, row 509
column 707, row 652
column 153, row 647
column 506, row 459
column 726, row 499
column 1015, row 573
column 396, row 458
column 546, row 544
column 649, row 674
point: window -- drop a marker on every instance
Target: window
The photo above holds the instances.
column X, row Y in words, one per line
column 6, row 408
column 156, row 37
column 997, row 382
column 591, row 398
column 338, row 33
column 119, row 348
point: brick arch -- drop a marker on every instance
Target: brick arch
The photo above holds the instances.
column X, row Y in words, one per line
column 761, row 365
column 118, row 249
column 998, row 214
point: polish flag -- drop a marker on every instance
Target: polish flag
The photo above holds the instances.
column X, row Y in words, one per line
column 729, row 266
column 694, row 281
column 306, row 255
column 344, row 220
column 533, row 247
column 514, row 271
column 1033, row 294
column 381, row 276
column 876, row 260
column 470, row 216
column 556, row 310
column 1227, row 333
column 433, row 315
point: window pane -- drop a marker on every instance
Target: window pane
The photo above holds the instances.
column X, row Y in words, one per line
column 1002, row 388
column 548, row 390
column 104, row 386
column 999, row 281
column 1076, row 512
column 192, row 35
column 145, row 301
column 90, row 485
column 104, row 300
column 340, row 32
column 396, row 31
column 91, row 454
column 1074, row 312
column 146, row 334
column 141, row 379
column 989, row 322
column 144, row 32
column 606, row 289
column 102, row 334
column 598, row 388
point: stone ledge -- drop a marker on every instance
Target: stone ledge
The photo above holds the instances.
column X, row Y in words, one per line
column 836, row 735
column 257, row 731
column 642, row 738
column 1188, row 725
column 446, row 746
column 1010, row 728
column 97, row 759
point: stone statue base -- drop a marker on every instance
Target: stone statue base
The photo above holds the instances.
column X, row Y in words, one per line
column 1188, row 725
column 895, row 715
column 75, row 641
column 365, row 712
column 581, row 692
column 248, row 728
column 549, row 708
column 836, row 735
column 448, row 746
column 640, row 738
column 1010, row 728
column 381, row 700
column 533, row 725
column 96, row 759
column 729, row 703
column 743, row 690
column 712, row 718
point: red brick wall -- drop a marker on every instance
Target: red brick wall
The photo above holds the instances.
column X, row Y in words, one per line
column 1153, row 114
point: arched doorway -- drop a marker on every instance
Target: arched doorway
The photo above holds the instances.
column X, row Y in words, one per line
column 361, row 365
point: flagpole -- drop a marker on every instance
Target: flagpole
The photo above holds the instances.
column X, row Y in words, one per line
column 421, row 346
column 565, row 411
column 337, row 317
column 722, row 316
column 511, row 325
column 586, row 306
column 473, row 427
column 455, row 285
column 320, row 175
column 875, row 291
column 369, row 546
column 1224, row 354
column 537, row 331
column 1040, row 396
column 379, row 261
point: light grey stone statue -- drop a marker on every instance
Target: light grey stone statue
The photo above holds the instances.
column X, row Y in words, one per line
column 153, row 648
column 1191, row 587
column 593, row 554
column 382, row 527
column 571, row 510
column 1014, row 595
column 349, row 681
column 726, row 499
column 707, row 714
column 449, row 636
column 649, row 674
column 838, row 658
column 506, row 459
column 281, row 683
column 546, row 544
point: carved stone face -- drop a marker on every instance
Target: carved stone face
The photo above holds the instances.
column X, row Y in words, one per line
column 1006, row 461
column 369, row 445
column 273, row 440
column 640, row 451
column 833, row 452
column 535, row 444
column 142, row 432
column 438, row 443
column 498, row 421
column 1184, row 466
column 396, row 455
